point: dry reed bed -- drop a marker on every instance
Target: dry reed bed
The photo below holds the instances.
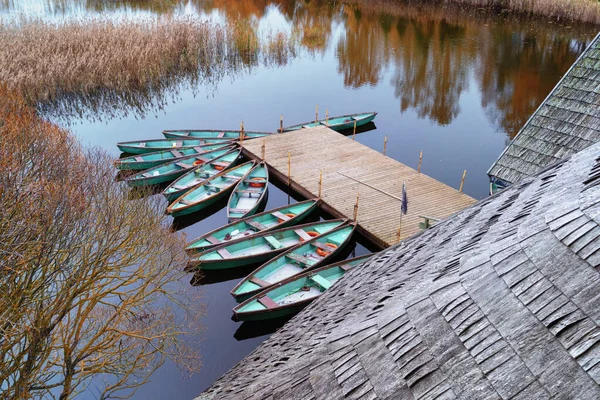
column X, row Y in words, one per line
column 43, row 60
column 587, row 11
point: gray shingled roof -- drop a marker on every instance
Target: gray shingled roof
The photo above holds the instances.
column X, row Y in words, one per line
column 502, row 300
column 567, row 121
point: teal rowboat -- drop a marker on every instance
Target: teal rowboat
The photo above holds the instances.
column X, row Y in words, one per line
column 303, row 257
column 212, row 134
column 293, row 294
column 153, row 145
column 209, row 191
column 249, row 193
column 197, row 175
column 151, row 160
column 174, row 169
column 267, row 221
column 261, row 247
column 337, row 123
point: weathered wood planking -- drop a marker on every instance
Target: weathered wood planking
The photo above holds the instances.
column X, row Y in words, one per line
column 379, row 181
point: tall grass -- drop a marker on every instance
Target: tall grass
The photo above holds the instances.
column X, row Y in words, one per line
column 99, row 56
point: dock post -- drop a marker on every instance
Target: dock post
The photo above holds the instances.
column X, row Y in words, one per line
column 289, row 175
column 264, row 145
column 281, row 123
column 242, row 132
column 354, row 132
column 320, row 183
column 356, row 207
column 462, row 181
column 420, row 161
column 327, row 117
column 384, row 144
column 317, row 113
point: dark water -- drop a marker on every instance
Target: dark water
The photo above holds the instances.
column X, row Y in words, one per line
column 453, row 83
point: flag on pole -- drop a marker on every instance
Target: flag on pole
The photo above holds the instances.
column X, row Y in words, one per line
column 404, row 206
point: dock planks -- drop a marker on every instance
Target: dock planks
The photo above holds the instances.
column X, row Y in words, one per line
column 351, row 169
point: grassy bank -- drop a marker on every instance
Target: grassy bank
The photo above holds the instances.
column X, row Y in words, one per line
column 587, row 11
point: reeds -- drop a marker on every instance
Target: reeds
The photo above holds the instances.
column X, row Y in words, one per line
column 42, row 60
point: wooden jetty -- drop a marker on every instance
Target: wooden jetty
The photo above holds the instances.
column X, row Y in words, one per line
column 350, row 169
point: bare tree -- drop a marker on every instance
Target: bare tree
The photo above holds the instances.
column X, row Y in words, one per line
column 89, row 279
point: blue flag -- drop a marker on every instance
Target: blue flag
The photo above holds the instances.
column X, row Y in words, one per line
column 404, row 206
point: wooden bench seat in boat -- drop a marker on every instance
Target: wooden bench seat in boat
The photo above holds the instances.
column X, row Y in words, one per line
column 183, row 165
column 221, row 134
column 345, row 267
column 274, row 243
column 147, row 175
column 212, row 239
column 281, row 216
column 176, row 153
column 323, row 246
column 219, row 164
column 302, row 233
column 267, row 302
column 178, row 143
column 224, row 253
column 319, row 280
column 231, row 177
column 186, row 202
column 238, row 210
column 299, row 259
column 142, row 144
column 139, row 159
column 259, row 282
column 249, row 191
column 256, row 225
column 200, row 150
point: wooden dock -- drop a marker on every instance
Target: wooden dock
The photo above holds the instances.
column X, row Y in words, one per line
column 351, row 169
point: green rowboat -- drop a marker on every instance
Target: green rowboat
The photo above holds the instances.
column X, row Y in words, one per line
column 212, row 134
column 261, row 247
column 209, row 191
column 174, row 169
column 151, row 160
column 249, row 193
column 293, row 294
column 153, row 145
column 267, row 221
column 197, row 175
column 303, row 257
column 337, row 123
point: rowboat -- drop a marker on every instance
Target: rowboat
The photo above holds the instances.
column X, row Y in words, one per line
column 261, row 247
column 212, row 134
column 153, row 145
column 306, row 256
column 150, row 160
column 249, row 193
column 197, row 175
column 267, row 221
column 174, row 169
column 209, row 191
column 337, row 123
column 293, row 294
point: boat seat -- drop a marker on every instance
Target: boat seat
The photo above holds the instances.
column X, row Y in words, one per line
column 302, row 233
column 256, row 225
column 323, row 246
column 147, row 175
column 178, row 143
column 212, row 239
column 176, row 153
column 267, row 302
column 142, row 144
column 220, row 164
column 249, row 191
column 280, row 216
column 176, row 187
column 200, row 150
column 139, row 159
column 345, row 267
column 298, row 258
column 238, row 210
column 186, row 202
column 221, row 134
column 224, row 253
column 231, row 177
column 183, row 165
column 274, row 243
column 259, row 282
column 319, row 280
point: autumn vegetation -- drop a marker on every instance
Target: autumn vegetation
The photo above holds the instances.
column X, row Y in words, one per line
column 89, row 279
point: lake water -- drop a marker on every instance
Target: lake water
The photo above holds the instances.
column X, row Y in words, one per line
column 455, row 84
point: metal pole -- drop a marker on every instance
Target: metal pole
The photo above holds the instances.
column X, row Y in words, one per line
column 462, row 181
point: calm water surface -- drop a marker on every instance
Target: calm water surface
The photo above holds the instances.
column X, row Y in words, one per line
column 455, row 85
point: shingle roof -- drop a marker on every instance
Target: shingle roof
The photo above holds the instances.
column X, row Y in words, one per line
column 501, row 300
column 567, row 121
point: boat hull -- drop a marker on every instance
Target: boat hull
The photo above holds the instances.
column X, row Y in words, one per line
column 347, row 122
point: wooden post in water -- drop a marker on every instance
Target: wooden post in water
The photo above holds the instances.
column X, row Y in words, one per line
column 242, row 132
column 281, row 123
column 420, row 161
column 356, row 207
column 320, row 183
column 289, row 175
column 354, row 131
column 384, row 144
column 317, row 113
column 326, row 117
column 462, row 181
column 264, row 145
